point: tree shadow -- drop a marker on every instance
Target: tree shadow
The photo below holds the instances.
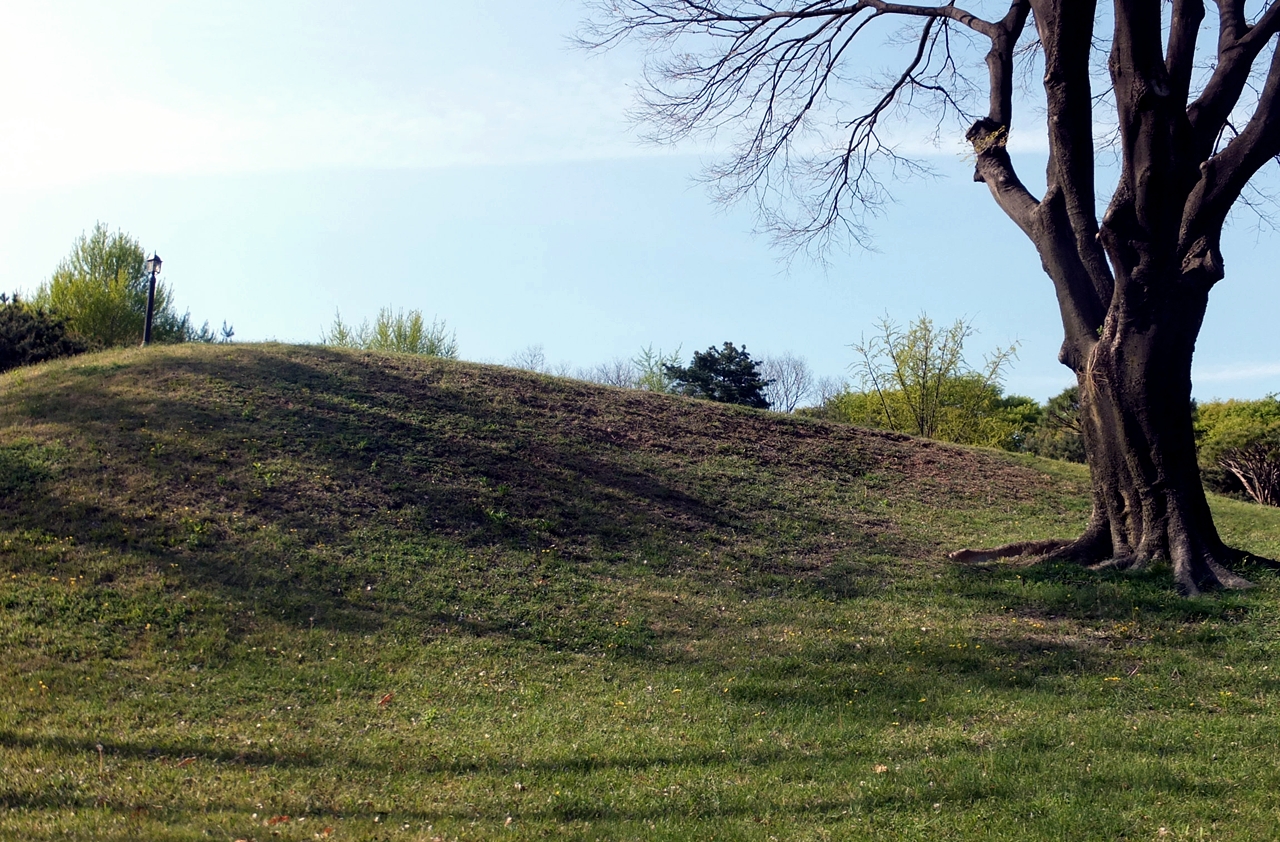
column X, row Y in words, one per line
column 321, row 487
column 278, row 478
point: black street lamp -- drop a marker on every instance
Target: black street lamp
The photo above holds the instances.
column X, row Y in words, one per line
column 153, row 268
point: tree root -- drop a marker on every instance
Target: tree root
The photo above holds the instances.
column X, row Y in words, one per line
column 1094, row 550
column 1017, row 548
column 1213, row 576
column 1233, row 557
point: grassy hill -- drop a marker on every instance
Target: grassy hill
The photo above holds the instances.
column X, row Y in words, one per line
column 272, row 592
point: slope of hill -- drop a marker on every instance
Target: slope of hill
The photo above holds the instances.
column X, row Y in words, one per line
column 225, row 460
column 201, row 543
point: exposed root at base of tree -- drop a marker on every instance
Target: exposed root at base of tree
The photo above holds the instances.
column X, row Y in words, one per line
column 1018, row 548
column 1093, row 550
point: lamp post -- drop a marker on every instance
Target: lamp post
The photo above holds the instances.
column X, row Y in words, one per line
column 153, row 268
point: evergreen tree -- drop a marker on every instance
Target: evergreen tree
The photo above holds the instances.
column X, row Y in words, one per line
column 727, row 375
column 30, row 335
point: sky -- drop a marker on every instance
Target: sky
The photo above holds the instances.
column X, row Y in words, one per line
column 290, row 160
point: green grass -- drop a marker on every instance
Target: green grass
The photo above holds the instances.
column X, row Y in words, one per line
column 395, row 598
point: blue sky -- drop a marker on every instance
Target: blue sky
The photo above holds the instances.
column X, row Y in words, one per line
column 290, row 159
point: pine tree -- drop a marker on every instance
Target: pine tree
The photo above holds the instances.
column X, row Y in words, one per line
column 727, row 375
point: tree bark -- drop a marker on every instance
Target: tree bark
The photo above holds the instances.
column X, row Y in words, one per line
column 1148, row 502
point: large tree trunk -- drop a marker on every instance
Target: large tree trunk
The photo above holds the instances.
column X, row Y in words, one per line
column 1133, row 290
column 1149, row 503
column 1194, row 128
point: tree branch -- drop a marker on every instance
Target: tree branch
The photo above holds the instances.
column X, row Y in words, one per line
column 772, row 68
column 1184, row 30
column 1224, row 176
column 990, row 135
column 1067, row 39
column 1000, row 61
column 1238, row 47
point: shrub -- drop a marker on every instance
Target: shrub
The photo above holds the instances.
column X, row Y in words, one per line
column 31, row 335
column 1239, row 447
column 395, row 331
column 966, row 411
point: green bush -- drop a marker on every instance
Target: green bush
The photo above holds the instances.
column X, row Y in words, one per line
column 31, row 335
column 965, row 411
column 395, row 331
column 1239, row 447
column 101, row 290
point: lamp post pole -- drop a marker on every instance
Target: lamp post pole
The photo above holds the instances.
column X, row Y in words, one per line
column 153, row 268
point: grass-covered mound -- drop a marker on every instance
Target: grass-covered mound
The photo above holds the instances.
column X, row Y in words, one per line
column 391, row 597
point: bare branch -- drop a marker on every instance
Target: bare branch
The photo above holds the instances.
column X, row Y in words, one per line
column 1238, row 47
column 1180, row 58
column 1224, row 176
column 776, row 71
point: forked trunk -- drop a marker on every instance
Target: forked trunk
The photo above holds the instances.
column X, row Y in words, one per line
column 1149, row 505
column 1148, row 501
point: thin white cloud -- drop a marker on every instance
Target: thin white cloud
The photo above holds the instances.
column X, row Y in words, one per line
column 44, row 141
column 1245, row 371
column 68, row 115
column 73, row 111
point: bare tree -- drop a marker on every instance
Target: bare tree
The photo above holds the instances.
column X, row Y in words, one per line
column 828, row 388
column 1193, row 122
column 790, row 381
column 534, row 358
column 616, row 372
column 531, row 358
column 1257, row 469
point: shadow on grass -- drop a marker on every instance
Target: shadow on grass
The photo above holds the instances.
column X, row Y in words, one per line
column 161, row 751
column 349, row 491
column 277, row 479
column 695, row 796
column 1059, row 589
